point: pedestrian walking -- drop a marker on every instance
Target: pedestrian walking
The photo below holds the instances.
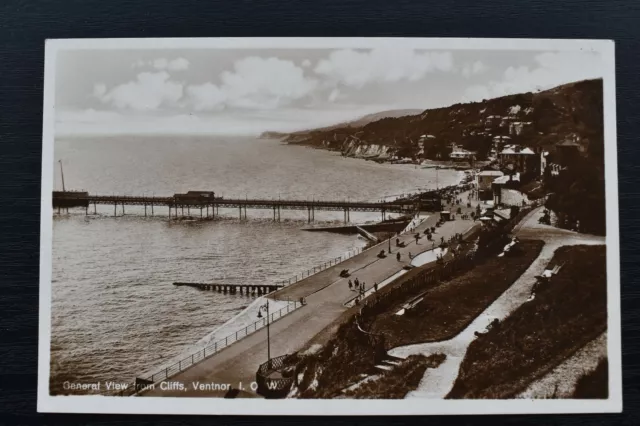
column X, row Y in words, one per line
column 375, row 286
column 350, row 285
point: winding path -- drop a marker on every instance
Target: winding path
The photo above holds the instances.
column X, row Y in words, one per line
column 437, row 383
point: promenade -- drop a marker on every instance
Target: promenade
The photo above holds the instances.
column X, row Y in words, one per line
column 326, row 294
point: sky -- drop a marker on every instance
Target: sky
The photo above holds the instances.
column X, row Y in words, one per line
column 248, row 91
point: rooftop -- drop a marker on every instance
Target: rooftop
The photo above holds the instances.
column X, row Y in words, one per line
column 516, row 149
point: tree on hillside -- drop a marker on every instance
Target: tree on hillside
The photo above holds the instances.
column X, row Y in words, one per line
column 479, row 143
column 578, row 196
column 406, row 149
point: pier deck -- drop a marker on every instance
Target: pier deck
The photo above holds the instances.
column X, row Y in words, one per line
column 325, row 293
column 70, row 199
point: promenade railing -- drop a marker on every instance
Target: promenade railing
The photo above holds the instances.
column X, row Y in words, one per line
column 326, row 265
column 275, row 387
column 209, row 350
column 348, row 255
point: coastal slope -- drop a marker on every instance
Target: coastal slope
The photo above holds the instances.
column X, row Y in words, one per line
column 568, row 112
column 357, row 123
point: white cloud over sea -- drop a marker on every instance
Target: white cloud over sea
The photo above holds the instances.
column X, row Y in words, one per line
column 357, row 69
column 254, row 82
column 148, row 91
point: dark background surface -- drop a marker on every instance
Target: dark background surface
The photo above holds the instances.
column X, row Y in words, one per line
column 24, row 25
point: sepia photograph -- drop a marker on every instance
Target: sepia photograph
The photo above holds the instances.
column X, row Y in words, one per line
column 391, row 226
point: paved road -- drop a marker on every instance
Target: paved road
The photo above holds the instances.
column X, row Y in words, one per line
column 325, row 292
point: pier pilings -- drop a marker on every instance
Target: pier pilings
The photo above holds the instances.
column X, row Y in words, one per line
column 248, row 289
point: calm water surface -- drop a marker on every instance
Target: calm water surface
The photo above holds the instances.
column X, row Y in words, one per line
column 115, row 310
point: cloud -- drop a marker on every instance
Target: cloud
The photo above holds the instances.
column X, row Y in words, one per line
column 357, row 69
column 205, row 97
column 160, row 63
column 471, row 69
column 179, row 64
column 255, row 82
column 87, row 116
column 148, row 92
column 99, row 90
column 335, row 94
column 552, row 69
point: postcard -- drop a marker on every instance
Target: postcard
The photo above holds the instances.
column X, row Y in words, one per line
column 380, row 226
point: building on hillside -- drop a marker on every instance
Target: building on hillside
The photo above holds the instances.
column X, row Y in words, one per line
column 501, row 183
column 424, row 138
column 518, row 159
column 555, row 169
column 517, row 127
column 498, row 143
column 492, row 120
column 484, row 181
column 460, row 154
column 543, row 161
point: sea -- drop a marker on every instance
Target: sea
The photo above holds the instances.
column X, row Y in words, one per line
column 115, row 312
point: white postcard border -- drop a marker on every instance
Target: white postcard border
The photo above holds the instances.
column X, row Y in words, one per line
column 169, row 405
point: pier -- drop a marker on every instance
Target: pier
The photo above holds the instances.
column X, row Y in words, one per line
column 254, row 290
column 209, row 205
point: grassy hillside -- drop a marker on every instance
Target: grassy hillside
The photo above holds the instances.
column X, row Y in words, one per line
column 564, row 316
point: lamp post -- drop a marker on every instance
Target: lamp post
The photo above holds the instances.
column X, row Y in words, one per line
column 265, row 307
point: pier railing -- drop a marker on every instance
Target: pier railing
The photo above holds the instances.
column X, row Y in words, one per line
column 209, row 350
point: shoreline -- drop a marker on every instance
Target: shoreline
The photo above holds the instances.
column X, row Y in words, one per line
column 239, row 320
column 384, row 157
